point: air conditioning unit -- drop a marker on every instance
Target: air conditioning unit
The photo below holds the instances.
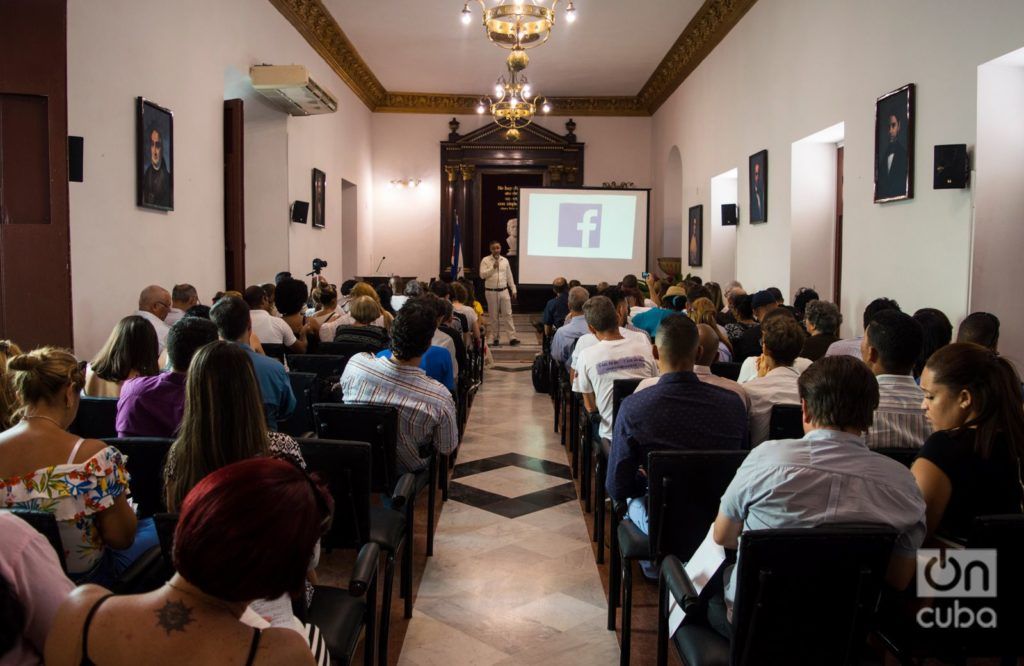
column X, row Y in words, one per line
column 289, row 88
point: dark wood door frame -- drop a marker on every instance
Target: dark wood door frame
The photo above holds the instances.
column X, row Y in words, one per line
column 837, row 249
column 234, row 195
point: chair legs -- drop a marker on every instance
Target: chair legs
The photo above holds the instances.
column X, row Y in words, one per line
column 586, row 471
column 599, row 505
column 662, row 658
column 432, row 499
column 627, row 611
column 370, row 634
column 405, row 583
column 614, row 571
column 385, row 605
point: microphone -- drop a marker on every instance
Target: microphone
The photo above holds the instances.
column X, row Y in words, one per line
column 380, row 264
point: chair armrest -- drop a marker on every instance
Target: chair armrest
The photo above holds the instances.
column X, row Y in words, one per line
column 606, row 447
column 673, row 576
column 404, row 491
column 619, row 507
column 364, row 570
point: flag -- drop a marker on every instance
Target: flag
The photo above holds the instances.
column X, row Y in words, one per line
column 456, row 248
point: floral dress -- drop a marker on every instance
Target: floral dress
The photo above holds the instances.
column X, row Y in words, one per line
column 74, row 493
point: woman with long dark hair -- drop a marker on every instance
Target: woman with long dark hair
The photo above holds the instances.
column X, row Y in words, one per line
column 130, row 351
column 973, row 464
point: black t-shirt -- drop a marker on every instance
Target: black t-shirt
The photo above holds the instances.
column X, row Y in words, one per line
column 980, row 486
column 749, row 344
column 815, row 346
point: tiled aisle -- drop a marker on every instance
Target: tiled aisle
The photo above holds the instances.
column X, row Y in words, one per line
column 512, row 579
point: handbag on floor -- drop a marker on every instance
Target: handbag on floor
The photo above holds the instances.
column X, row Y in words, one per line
column 541, row 373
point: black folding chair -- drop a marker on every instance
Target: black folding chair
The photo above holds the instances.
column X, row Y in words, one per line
column 786, row 422
column 803, row 596
column 324, row 366
column 621, row 389
column 46, row 524
column 905, row 456
column 727, row 370
column 146, row 457
column 275, row 351
column 347, row 349
column 96, row 418
column 300, row 423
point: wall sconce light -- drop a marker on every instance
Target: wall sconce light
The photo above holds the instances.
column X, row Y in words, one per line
column 405, row 183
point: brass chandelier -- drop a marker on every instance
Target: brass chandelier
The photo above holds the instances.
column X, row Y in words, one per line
column 518, row 24
column 514, row 104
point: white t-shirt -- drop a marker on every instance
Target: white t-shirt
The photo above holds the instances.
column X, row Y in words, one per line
column 748, row 370
column 589, row 340
column 272, row 330
column 601, row 364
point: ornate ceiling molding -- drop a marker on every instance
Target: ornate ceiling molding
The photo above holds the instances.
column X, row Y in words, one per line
column 706, row 29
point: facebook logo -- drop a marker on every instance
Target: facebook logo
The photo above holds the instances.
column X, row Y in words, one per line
column 579, row 225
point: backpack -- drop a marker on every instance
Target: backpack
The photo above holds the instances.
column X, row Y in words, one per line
column 541, row 373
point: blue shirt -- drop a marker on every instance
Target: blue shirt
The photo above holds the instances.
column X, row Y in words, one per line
column 648, row 321
column 556, row 310
column 565, row 336
column 276, row 389
column 437, row 363
column 680, row 412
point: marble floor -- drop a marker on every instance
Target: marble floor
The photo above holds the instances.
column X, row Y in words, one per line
column 512, row 579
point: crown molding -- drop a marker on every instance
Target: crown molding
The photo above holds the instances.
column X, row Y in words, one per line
column 706, row 29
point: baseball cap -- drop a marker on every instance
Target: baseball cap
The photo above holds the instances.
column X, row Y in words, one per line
column 762, row 298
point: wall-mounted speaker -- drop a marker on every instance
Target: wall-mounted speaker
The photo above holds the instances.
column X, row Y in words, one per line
column 952, row 167
column 76, row 147
column 730, row 215
column 300, row 210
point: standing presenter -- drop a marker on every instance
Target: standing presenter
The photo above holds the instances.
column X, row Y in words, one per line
column 500, row 288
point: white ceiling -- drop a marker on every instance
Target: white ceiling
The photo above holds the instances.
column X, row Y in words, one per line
column 422, row 46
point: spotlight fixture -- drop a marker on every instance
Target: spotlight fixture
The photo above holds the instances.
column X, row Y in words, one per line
column 467, row 15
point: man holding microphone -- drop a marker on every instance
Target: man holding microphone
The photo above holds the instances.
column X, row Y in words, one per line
column 496, row 273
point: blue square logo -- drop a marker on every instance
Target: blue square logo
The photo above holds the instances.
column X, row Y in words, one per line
column 579, row 225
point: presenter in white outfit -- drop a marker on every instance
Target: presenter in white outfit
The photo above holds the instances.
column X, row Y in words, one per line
column 496, row 273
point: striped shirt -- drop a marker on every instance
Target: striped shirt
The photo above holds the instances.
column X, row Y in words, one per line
column 899, row 420
column 426, row 411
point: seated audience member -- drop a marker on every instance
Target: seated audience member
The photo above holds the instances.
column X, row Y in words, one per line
column 715, row 294
column 385, row 295
column 269, row 288
column 32, row 588
column 937, row 332
column 822, row 320
column 851, row 347
column 803, row 296
column 749, row 343
column 442, row 339
column 613, row 357
column 647, row 319
column 154, row 306
column 9, row 404
column 346, row 293
column 707, row 353
column 981, row 328
column 618, row 299
column 678, row 412
column 197, row 616
column 268, row 328
column 557, row 308
column 748, row 369
column 972, row 464
column 828, row 476
column 889, row 348
column 703, row 312
column 183, row 296
column 361, row 331
column 447, row 326
column 730, row 295
column 461, row 305
column 776, row 381
column 574, row 328
column 426, row 411
column 153, row 406
column 201, row 311
column 231, row 315
column 742, row 310
column 436, row 361
column 83, row 483
column 221, row 374
column 412, row 289
column 129, row 352
column 600, row 287
column 327, row 296
column 290, row 298
column 365, row 289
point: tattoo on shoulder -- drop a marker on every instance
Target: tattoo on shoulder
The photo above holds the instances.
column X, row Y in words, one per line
column 174, row 616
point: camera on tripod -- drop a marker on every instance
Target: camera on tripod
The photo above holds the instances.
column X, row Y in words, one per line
column 318, row 265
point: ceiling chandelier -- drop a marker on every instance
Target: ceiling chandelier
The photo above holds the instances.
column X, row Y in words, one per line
column 518, row 24
column 514, row 104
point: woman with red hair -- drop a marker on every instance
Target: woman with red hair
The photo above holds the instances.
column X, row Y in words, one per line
column 227, row 554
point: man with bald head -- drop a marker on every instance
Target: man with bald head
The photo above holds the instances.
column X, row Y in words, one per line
column 574, row 328
column 154, row 306
column 558, row 307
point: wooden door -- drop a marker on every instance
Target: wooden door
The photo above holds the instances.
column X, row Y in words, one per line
column 234, row 195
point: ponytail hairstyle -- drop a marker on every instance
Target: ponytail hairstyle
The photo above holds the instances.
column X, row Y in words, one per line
column 995, row 391
column 43, row 374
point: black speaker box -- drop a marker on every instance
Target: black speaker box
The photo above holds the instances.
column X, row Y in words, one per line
column 300, row 210
column 730, row 215
column 952, row 167
column 76, row 146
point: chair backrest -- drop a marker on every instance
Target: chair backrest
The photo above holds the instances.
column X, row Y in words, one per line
column 684, row 492
column 321, row 365
column 376, row 425
column 903, row 455
column 808, row 595
column 95, row 419
column 622, row 389
column 727, row 370
column 304, row 386
column 146, row 457
column 787, row 422
column 346, row 349
column 345, row 467
column 165, row 524
column 46, row 524
column 1004, row 534
column 275, row 351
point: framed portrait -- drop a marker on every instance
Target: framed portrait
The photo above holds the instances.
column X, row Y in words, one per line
column 695, row 236
column 894, row 145
column 758, row 179
column 318, row 196
column 154, row 155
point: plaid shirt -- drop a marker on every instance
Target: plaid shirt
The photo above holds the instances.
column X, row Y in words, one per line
column 426, row 410
column 899, row 420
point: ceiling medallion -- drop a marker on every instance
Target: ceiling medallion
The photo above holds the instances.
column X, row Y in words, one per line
column 518, row 24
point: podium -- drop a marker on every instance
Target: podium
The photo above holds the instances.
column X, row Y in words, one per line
column 374, row 280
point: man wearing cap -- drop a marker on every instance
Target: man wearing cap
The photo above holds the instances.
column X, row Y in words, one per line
column 749, row 344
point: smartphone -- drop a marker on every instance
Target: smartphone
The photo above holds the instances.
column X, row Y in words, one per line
column 645, row 275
